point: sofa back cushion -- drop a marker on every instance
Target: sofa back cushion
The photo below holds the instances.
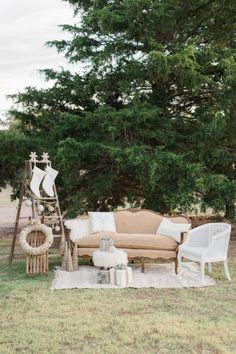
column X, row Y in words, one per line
column 141, row 221
column 137, row 221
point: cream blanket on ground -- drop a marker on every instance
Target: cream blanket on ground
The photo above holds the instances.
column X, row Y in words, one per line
column 155, row 276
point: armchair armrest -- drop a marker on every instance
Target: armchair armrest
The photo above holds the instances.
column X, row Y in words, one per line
column 183, row 236
column 219, row 243
column 198, row 237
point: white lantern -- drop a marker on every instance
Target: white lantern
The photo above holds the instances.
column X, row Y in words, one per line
column 28, row 203
column 57, row 228
column 50, row 208
column 40, row 208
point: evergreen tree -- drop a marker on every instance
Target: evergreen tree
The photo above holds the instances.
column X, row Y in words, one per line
column 150, row 120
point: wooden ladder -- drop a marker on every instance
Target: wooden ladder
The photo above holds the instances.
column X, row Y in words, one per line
column 48, row 220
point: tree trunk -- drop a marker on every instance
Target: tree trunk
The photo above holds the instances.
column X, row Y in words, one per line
column 230, row 212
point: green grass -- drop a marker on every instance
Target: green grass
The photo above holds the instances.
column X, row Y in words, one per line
column 35, row 319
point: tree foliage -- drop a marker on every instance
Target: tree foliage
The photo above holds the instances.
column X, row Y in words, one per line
column 150, row 119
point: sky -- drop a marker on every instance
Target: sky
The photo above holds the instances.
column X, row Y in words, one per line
column 25, row 27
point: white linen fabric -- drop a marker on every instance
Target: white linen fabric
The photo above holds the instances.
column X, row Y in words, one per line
column 79, row 228
column 36, row 180
column 102, row 221
column 48, row 181
column 155, row 276
column 171, row 229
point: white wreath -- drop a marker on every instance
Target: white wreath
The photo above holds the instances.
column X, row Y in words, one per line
column 36, row 251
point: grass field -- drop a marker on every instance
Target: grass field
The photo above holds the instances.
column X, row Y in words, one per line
column 35, row 319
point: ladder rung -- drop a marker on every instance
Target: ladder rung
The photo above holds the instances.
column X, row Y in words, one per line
column 44, row 217
column 23, row 254
column 44, row 198
column 39, row 161
column 47, row 198
column 26, row 191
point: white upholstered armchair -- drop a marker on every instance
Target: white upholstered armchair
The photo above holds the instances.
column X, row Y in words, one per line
column 206, row 244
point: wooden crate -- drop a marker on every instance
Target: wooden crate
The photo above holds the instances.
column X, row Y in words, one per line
column 36, row 264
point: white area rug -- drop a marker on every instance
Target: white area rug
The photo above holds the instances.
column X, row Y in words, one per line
column 155, row 276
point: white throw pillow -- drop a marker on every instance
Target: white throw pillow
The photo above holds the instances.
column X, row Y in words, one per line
column 102, row 222
column 172, row 229
column 79, row 228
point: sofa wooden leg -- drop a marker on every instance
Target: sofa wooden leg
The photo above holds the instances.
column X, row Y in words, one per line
column 176, row 265
column 142, row 265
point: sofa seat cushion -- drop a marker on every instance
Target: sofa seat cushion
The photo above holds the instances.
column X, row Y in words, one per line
column 133, row 253
column 132, row 241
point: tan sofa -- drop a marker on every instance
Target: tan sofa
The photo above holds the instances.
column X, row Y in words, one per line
column 136, row 235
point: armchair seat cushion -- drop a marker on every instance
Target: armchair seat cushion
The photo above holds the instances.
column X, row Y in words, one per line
column 130, row 241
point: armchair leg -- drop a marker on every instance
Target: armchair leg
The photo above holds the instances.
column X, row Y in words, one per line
column 179, row 262
column 203, row 272
column 209, row 268
column 227, row 270
column 142, row 265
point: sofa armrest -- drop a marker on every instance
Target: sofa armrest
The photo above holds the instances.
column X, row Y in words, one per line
column 183, row 236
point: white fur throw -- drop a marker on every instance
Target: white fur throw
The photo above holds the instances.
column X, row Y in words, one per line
column 109, row 259
column 79, row 228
